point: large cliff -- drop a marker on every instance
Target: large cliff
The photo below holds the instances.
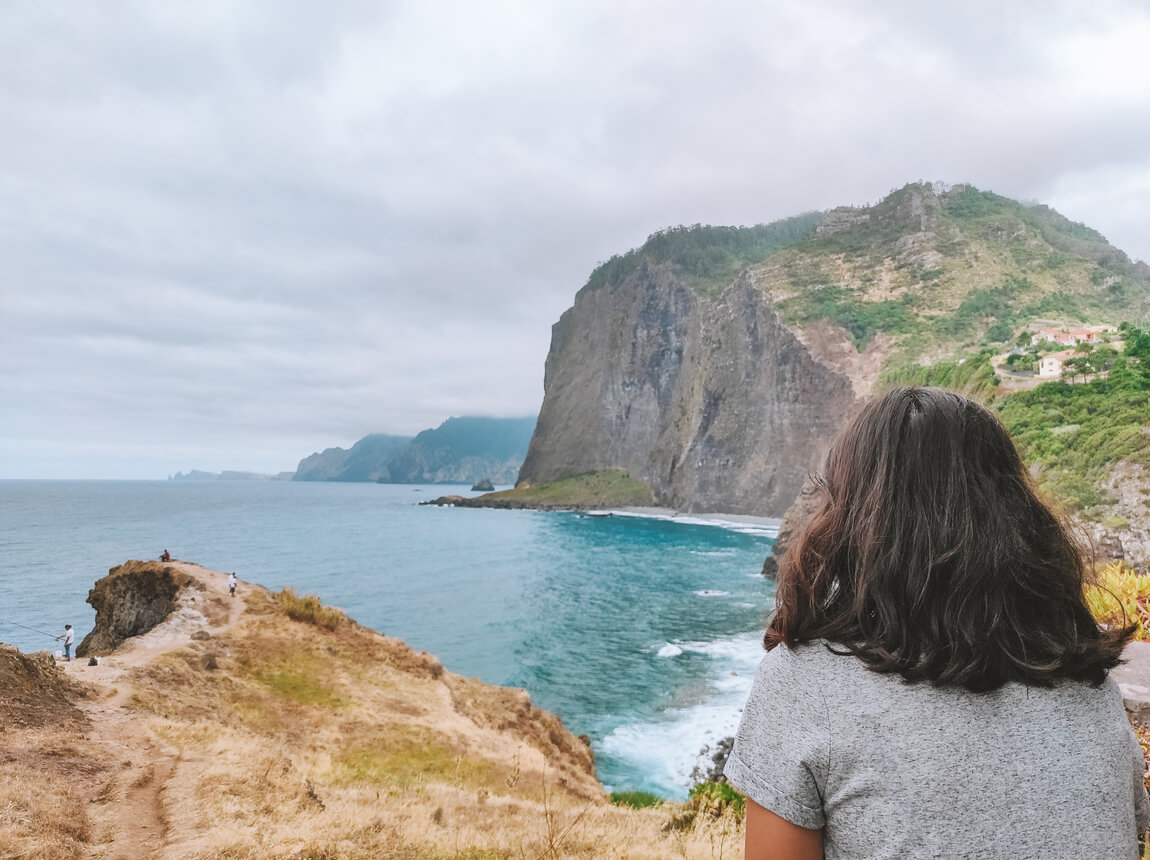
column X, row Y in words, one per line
column 702, row 400
column 714, row 365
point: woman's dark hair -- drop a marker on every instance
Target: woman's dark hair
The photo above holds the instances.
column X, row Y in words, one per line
column 932, row 556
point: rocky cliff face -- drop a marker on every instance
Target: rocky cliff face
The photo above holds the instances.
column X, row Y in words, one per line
column 713, row 403
column 137, row 596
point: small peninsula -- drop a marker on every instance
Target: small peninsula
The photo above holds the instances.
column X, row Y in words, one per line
column 197, row 725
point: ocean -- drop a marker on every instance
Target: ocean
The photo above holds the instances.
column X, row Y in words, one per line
column 641, row 632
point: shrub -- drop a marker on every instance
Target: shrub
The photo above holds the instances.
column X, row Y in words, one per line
column 708, row 800
column 635, row 799
column 309, row 609
column 1121, row 596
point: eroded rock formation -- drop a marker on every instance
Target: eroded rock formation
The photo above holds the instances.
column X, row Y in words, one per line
column 133, row 599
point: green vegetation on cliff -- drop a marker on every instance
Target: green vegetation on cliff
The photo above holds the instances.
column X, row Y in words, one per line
column 460, row 450
column 1070, row 433
column 598, row 489
column 971, row 375
column 704, row 257
column 951, row 270
column 937, row 269
column 1075, row 432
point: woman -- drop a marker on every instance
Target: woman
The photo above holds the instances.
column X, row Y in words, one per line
column 935, row 685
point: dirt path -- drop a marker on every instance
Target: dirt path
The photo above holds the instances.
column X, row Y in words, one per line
column 129, row 817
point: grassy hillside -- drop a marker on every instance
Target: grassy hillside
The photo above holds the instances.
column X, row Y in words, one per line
column 938, row 270
column 604, row 488
column 955, row 271
column 289, row 731
column 1076, row 433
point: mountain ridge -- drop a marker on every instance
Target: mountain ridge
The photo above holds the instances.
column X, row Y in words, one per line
column 460, row 450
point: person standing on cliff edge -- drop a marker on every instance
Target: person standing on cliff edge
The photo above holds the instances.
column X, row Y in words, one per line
column 69, row 636
column 935, row 684
column 232, row 583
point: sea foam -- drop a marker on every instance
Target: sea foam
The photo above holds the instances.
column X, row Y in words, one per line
column 668, row 746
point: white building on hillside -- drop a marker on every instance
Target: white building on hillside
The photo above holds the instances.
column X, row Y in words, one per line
column 1051, row 365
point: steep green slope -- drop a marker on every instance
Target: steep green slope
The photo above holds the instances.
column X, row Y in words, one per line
column 704, row 257
column 461, row 450
column 465, row 449
column 940, row 271
column 1075, row 434
column 366, row 460
column 936, row 269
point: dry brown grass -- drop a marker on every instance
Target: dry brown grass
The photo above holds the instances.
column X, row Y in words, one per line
column 43, row 803
column 309, row 609
column 317, row 742
column 259, row 799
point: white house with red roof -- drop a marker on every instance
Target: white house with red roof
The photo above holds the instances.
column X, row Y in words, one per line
column 1065, row 337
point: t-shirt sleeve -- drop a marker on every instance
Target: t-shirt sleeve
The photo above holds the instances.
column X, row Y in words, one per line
column 781, row 755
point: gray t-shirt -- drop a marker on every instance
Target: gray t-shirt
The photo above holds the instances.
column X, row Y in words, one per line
column 890, row 769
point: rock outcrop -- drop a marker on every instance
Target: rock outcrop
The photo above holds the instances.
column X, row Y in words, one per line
column 714, row 404
column 138, row 596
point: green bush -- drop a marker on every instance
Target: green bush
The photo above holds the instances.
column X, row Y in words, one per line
column 635, row 799
column 838, row 306
column 972, row 376
column 1022, row 361
column 715, row 798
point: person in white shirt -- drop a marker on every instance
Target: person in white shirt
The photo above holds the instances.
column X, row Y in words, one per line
column 69, row 636
column 232, row 584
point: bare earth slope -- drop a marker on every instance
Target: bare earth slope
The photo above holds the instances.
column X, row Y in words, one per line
column 228, row 729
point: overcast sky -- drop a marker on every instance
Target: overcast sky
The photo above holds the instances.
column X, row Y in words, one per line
column 232, row 234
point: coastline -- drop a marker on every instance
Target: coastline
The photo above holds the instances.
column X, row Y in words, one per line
column 750, row 523
column 768, row 526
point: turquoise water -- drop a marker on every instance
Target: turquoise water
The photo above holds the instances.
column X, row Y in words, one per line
column 640, row 632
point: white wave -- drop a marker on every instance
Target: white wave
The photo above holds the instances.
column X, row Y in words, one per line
column 669, row 650
column 741, row 648
column 761, row 526
column 666, row 747
column 711, row 592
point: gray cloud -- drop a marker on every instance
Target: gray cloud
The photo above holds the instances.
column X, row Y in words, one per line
column 233, row 233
